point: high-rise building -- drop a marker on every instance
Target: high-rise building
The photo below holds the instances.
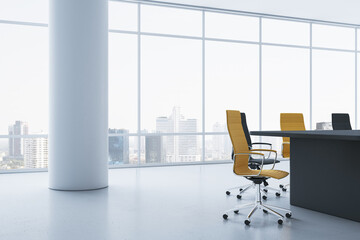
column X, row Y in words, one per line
column 16, row 144
column 188, row 144
column 119, row 147
column 154, row 151
column 36, row 153
column 178, row 148
column 221, row 146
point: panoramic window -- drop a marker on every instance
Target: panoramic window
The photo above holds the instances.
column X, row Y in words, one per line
column 171, row 83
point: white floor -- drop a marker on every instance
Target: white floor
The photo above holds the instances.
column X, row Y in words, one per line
column 153, row 203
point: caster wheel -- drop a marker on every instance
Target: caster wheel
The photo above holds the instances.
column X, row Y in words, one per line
column 265, row 190
column 238, row 196
column 288, row 215
column 281, row 186
column 241, row 189
column 277, row 194
column 247, row 222
column 227, row 193
column 236, row 211
column 280, row 221
column 264, row 197
column 225, row 216
column 265, row 211
column 284, row 189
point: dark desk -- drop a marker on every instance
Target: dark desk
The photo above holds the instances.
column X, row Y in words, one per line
column 325, row 170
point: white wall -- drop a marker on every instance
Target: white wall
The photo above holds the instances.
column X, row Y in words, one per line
column 346, row 11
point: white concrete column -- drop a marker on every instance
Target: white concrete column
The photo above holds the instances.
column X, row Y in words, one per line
column 78, row 142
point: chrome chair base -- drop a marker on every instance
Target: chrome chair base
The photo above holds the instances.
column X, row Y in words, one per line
column 259, row 205
column 284, row 187
column 244, row 188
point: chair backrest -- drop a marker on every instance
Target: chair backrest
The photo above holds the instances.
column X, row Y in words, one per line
column 245, row 128
column 238, row 140
column 341, row 121
column 246, row 131
column 290, row 122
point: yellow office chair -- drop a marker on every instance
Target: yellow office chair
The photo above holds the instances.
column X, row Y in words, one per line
column 290, row 122
column 254, row 164
column 241, row 162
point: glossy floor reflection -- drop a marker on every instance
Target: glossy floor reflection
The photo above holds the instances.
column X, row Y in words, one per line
column 153, row 203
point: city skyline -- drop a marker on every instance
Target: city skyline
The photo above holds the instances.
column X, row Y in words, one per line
column 32, row 152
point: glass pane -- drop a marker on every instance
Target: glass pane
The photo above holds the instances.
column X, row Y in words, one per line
column 24, row 10
column 228, row 26
column 24, row 77
column 171, row 20
column 358, row 39
column 232, row 82
column 123, row 16
column 20, row 153
column 218, row 147
column 170, row 84
column 285, row 84
column 4, row 152
column 123, row 78
column 172, row 149
column 122, row 148
column 333, row 37
column 285, row 87
column 285, row 32
column 333, row 85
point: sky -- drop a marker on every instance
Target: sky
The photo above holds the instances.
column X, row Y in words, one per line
column 171, row 68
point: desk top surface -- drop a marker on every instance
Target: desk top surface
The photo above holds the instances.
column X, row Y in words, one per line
column 352, row 135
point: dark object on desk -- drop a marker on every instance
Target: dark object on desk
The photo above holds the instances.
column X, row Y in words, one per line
column 322, row 161
column 341, row 121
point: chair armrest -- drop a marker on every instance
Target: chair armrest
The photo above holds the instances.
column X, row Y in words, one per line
column 263, row 150
column 261, row 143
column 267, row 150
column 250, row 153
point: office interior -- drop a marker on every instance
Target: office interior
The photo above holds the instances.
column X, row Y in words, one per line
column 178, row 119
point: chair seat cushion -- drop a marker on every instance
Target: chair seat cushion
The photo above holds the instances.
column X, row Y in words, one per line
column 277, row 174
column 271, row 173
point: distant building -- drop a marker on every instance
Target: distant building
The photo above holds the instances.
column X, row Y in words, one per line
column 178, row 148
column 154, row 152
column 221, row 146
column 36, row 153
column 2, row 155
column 16, row 145
column 118, row 147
